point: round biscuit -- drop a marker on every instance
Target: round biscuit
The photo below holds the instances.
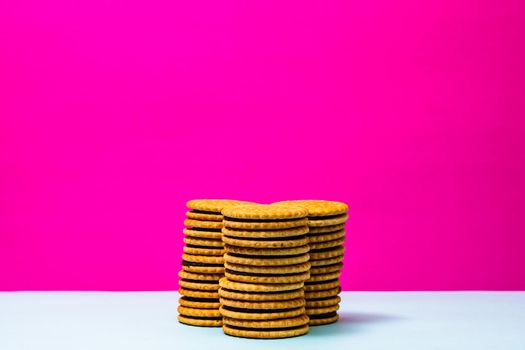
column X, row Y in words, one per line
column 265, row 225
column 258, row 287
column 248, row 314
column 203, row 224
column 326, row 253
column 264, row 305
column 213, row 205
column 264, row 212
column 328, row 244
column 267, row 261
column 318, row 207
column 317, row 286
column 265, row 244
column 270, row 251
column 204, row 294
column 273, row 270
column 262, row 296
column 282, row 323
column 202, row 233
column 270, row 279
column 205, row 216
column 201, row 322
column 324, row 302
column 323, row 321
column 291, row 232
column 322, row 310
column 265, row 334
column 329, row 221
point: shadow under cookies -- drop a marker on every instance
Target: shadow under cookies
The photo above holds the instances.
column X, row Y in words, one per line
column 353, row 322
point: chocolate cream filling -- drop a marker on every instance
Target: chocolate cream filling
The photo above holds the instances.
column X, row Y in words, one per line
column 191, row 263
column 320, row 316
column 199, row 281
column 200, row 300
column 328, row 217
column 320, row 282
column 196, row 211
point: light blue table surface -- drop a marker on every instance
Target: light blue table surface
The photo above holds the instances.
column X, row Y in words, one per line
column 369, row 320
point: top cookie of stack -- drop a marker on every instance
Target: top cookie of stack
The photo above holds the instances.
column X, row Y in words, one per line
column 266, row 264
column 326, row 220
column 202, row 262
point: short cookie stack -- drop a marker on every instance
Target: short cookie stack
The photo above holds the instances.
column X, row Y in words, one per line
column 202, row 263
column 266, row 265
column 326, row 221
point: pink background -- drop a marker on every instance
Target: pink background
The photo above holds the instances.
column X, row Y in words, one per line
column 114, row 113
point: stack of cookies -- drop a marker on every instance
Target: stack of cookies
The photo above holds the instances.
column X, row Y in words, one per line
column 202, row 263
column 326, row 221
column 266, row 265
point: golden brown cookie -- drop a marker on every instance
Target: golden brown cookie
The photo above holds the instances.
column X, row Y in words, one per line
column 198, row 268
column 203, row 224
column 326, row 229
column 317, row 286
column 265, row 244
column 264, row 212
column 199, row 303
column 203, row 216
column 266, row 260
column 188, row 249
column 323, row 302
column 328, row 253
column 201, row 322
column 266, row 305
column 261, row 296
column 199, row 285
column 327, row 244
column 203, row 294
column 271, row 279
column 322, row 310
column 249, row 314
column 274, row 333
column 291, row 232
column 213, row 205
column 322, row 293
column 326, row 269
column 325, row 237
column 203, row 242
column 258, row 287
column 204, row 259
column 325, row 262
column 327, row 220
column 318, row 320
column 270, row 251
column 264, row 225
column 200, row 276
column 271, row 270
column 203, row 233
column 324, row 276
column 189, row 311
column 318, row 207
column 282, row 323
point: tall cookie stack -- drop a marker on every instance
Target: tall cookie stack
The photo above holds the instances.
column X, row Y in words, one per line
column 326, row 221
column 202, row 263
column 266, row 265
